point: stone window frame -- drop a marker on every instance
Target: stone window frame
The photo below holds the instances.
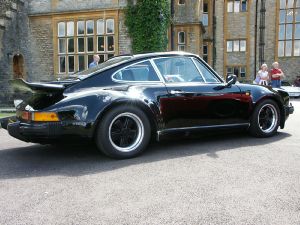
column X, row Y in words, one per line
column 242, row 69
column 239, row 8
column 205, row 54
column 81, row 59
column 205, row 14
column 181, row 2
column 287, row 8
column 233, row 41
column 181, row 45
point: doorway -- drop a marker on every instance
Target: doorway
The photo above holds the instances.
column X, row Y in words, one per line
column 18, row 66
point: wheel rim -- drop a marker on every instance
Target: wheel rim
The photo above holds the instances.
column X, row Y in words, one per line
column 126, row 132
column 267, row 118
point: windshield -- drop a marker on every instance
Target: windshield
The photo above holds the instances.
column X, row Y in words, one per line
column 109, row 62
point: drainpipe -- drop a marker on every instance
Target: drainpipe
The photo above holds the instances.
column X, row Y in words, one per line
column 262, row 33
column 214, row 35
column 172, row 24
column 255, row 39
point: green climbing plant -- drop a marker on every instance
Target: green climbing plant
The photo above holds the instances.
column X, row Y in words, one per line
column 147, row 22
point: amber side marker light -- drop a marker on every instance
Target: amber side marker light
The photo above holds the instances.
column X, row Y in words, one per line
column 45, row 117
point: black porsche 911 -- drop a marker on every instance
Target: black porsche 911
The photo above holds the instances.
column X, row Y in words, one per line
column 123, row 102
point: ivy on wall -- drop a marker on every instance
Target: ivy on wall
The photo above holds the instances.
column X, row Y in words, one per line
column 147, row 22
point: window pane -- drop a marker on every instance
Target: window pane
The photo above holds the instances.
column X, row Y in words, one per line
column 297, row 14
column 102, row 59
column 205, row 58
column 281, row 32
column 81, row 63
column 289, row 15
column 70, row 28
column 229, row 46
column 110, row 43
column 289, row 31
column 230, row 6
column 71, row 64
column 207, row 74
column 288, row 48
column 178, row 69
column 62, row 64
column 244, row 6
column 236, row 71
column 297, row 3
column 290, row 3
column 90, row 27
column 229, row 70
column 70, row 45
column 297, row 48
column 243, row 45
column 205, row 19
column 282, row 16
column 281, row 48
column 81, row 45
column 181, row 48
column 243, row 72
column 110, row 56
column 61, row 29
column 297, row 31
column 205, row 7
column 100, row 44
column 236, row 5
column 181, row 38
column 62, row 45
column 90, row 59
column 181, row 2
column 282, row 4
column 100, row 26
column 236, row 46
column 90, row 44
column 80, row 27
column 110, row 26
column 139, row 72
column 205, row 50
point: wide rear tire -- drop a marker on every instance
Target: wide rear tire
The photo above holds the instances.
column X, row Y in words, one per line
column 265, row 119
column 124, row 132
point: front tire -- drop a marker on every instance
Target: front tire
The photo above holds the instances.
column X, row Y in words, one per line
column 124, row 132
column 265, row 119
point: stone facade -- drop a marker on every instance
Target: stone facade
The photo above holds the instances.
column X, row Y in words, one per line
column 29, row 42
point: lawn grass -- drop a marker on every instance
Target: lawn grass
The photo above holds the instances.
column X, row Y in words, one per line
column 3, row 115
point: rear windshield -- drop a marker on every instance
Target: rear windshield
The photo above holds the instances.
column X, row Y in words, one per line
column 82, row 74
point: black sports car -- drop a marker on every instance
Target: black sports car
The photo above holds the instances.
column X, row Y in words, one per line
column 124, row 101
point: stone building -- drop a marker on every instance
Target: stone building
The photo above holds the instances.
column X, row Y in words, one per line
column 46, row 39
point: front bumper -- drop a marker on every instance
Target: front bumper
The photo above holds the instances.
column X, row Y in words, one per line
column 289, row 109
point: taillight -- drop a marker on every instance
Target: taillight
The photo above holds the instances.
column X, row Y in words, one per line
column 39, row 116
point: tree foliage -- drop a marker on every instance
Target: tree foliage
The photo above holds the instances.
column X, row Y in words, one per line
column 147, row 22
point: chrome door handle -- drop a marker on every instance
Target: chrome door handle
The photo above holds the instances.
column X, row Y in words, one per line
column 176, row 92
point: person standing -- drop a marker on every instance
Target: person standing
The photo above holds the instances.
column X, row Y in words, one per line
column 95, row 62
column 276, row 75
column 263, row 75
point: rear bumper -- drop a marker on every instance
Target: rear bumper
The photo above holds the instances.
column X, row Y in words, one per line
column 35, row 132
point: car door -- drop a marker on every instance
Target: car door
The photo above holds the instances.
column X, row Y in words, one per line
column 197, row 97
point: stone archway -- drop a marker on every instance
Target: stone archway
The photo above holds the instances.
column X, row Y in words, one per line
column 18, row 66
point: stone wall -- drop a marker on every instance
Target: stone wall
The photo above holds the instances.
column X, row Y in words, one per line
column 13, row 41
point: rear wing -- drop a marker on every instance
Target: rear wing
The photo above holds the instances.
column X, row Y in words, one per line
column 23, row 85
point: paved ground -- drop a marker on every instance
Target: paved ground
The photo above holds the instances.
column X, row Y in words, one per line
column 228, row 179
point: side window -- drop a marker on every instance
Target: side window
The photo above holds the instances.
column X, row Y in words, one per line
column 142, row 71
column 178, row 69
column 206, row 73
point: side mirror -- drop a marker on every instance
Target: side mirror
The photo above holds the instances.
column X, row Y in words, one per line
column 230, row 80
